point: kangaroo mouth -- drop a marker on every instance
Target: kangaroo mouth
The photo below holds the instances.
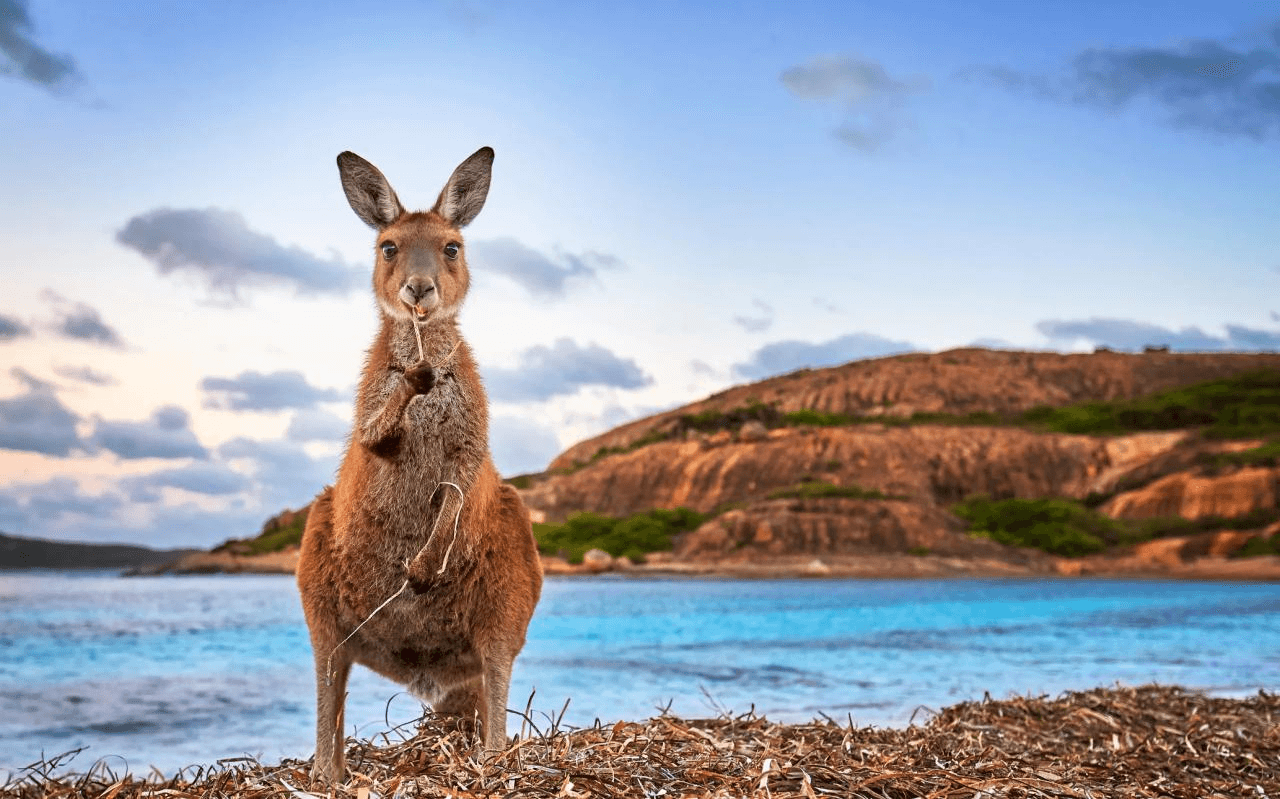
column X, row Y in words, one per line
column 420, row 310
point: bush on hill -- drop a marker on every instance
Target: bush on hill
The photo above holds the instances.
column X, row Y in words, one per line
column 814, row 488
column 631, row 537
column 1242, row 406
column 1259, row 545
column 1071, row 529
column 1057, row 526
column 713, row 420
column 1265, row 455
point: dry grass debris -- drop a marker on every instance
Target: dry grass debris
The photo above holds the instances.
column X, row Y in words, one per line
column 1152, row 741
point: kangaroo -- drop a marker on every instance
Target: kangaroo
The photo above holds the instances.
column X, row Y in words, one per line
column 417, row 503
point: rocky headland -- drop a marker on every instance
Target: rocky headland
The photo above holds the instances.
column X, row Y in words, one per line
column 863, row 469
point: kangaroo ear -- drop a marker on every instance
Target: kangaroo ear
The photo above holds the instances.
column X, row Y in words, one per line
column 368, row 191
column 463, row 196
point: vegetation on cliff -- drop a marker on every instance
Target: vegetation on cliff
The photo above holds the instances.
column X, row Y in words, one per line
column 279, row 533
column 1259, row 545
column 1267, row 454
column 1243, row 406
column 1071, row 529
column 1057, row 526
column 809, row 489
column 631, row 537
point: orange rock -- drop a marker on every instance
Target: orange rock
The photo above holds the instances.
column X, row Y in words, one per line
column 1194, row 496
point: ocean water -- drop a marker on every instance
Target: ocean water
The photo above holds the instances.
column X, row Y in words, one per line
column 172, row 671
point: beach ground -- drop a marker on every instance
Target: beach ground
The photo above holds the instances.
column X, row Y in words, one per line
column 1112, row 742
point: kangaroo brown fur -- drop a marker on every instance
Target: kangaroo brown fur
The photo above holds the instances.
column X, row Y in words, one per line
column 421, row 422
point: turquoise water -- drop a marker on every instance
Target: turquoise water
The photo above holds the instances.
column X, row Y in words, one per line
column 174, row 671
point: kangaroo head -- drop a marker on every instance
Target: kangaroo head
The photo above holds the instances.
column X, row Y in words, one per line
column 420, row 268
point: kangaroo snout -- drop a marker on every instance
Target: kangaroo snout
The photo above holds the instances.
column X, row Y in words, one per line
column 418, row 291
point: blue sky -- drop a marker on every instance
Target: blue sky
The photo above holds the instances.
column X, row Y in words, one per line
column 685, row 196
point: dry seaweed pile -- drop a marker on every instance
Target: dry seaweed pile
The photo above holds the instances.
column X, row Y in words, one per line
column 1150, row 741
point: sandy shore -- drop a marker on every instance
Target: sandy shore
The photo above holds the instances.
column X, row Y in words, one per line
column 1149, row 741
column 887, row 566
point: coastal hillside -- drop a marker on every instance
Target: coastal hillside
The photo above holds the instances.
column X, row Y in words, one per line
column 37, row 553
column 956, row 382
column 1119, row 462
column 970, row 461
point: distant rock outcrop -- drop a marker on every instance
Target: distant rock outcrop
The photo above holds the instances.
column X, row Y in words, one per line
column 39, row 553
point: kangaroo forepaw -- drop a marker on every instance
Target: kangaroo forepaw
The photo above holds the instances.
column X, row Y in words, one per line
column 421, row 377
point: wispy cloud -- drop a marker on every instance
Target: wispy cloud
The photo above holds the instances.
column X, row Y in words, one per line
column 313, row 424
column 538, row 273
column 1128, row 334
column 255, row 391
column 84, row 374
column 220, row 248
column 827, row 305
column 873, row 100
column 11, row 328
column 36, row 421
column 284, row 474
column 76, row 320
column 36, row 507
column 202, row 477
column 23, row 58
column 701, row 368
column 786, row 356
column 1219, row 86
column 521, row 445
column 566, row 366
column 167, row 434
column 759, row 323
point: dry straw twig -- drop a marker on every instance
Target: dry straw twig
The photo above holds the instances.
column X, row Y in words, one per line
column 1121, row 742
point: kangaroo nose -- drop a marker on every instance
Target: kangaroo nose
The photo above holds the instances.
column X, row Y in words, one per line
column 420, row 289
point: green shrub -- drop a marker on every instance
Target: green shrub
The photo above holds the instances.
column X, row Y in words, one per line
column 813, row 488
column 1069, row 528
column 1259, row 545
column 652, row 437
column 1266, row 455
column 1235, row 407
column 521, row 481
column 713, row 420
column 279, row 538
column 631, row 537
column 1057, row 526
column 972, row 419
column 813, row 418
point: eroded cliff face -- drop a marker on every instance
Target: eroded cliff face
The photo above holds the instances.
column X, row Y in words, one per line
column 1193, row 495
column 836, row 527
column 958, row 382
column 931, row 466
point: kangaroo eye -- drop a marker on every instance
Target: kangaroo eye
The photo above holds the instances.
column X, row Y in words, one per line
column 451, row 250
column 388, row 250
